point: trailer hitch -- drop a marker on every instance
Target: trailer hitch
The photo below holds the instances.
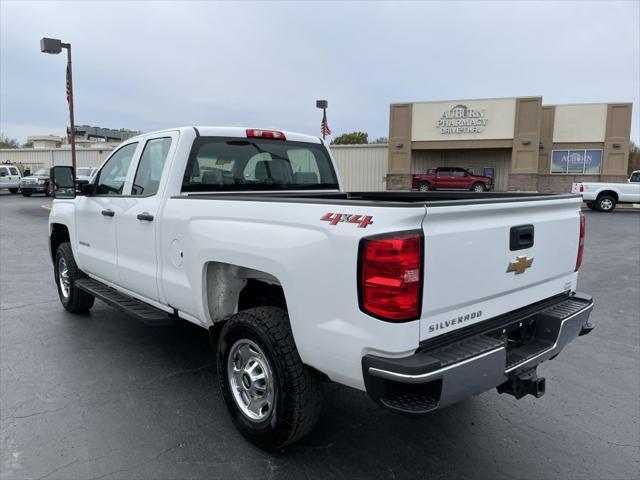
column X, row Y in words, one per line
column 524, row 383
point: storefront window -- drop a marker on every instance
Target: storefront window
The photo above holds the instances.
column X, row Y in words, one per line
column 576, row 161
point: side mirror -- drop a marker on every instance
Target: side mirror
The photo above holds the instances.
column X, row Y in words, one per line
column 62, row 181
column 85, row 187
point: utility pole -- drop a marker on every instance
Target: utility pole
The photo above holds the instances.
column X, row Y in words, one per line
column 55, row 46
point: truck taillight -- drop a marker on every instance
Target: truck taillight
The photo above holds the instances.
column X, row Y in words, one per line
column 259, row 133
column 581, row 188
column 580, row 241
column 390, row 276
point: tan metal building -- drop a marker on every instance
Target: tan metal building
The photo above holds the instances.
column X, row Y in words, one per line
column 522, row 143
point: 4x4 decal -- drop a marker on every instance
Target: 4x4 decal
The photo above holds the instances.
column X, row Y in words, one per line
column 336, row 218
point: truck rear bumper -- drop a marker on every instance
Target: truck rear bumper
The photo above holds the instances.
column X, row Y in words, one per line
column 470, row 364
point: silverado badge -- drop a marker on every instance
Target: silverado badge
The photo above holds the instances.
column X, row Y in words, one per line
column 520, row 265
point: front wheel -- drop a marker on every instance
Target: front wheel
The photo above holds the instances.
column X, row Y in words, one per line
column 273, row 398
column 67, row 272
column 478, row 187
column 606, row 203
column 26, row 194
column 13, row 190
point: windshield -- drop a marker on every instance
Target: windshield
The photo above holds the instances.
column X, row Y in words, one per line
column 238, row 164
column 41, row 172
column 83, row 171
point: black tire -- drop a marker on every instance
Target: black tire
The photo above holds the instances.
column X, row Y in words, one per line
column 76, row 301
column 26, row 194
column 591, row 206
column 424, row 187
column 13, row 190
column 606, row 203
column 478, row 187
column 297, row 398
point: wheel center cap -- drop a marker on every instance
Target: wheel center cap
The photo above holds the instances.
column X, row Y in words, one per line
column 246, row 381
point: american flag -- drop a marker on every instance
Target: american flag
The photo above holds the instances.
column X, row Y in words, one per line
column 324, row 126
column 69, row 84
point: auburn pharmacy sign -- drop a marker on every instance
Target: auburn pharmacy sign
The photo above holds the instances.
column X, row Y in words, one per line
column 462, row 119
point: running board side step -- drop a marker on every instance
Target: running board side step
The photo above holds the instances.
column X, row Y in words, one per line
column 132, row 306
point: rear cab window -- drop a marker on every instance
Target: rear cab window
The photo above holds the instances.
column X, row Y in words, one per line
column 254, row 164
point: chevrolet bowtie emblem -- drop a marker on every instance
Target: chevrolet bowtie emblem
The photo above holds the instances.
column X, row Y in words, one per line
column 520, row 265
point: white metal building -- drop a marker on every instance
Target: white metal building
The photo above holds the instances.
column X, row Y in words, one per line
column 362, row 168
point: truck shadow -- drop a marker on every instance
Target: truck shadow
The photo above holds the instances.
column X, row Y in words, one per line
column 354, row 437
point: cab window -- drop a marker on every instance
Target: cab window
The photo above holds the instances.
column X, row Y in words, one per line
column 111, row 178
column 154, row 156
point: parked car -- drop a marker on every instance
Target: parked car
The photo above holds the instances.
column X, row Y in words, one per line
column 85, row 173
column 451, row 178
column 246, row 232
column 9, row 178
column 38, row 182
column 605, row 196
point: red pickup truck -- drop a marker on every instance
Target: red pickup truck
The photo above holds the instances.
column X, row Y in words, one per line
column 451, row 178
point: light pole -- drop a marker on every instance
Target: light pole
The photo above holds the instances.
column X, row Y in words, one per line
column 55, row 46
column 324, row 126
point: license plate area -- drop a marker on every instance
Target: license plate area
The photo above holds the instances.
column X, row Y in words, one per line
column 526, row 338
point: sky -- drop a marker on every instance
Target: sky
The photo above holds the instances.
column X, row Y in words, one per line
column 153, row 65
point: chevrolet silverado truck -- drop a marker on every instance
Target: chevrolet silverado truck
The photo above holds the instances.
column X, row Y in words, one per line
column 604, row 196
column 419, row 299
column 450, row 178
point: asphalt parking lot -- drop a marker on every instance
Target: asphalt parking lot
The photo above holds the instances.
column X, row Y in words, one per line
column 104, row 397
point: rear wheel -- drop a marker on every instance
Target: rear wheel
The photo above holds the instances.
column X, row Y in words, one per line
column 606, row 203
column 273, row 398
column 26, row 194
column 67, row 272
column 478, row 187
column 424, row 187
column 592, row 205
column 13, row 190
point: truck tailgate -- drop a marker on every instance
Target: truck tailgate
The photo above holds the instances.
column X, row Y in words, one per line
column 472, row 271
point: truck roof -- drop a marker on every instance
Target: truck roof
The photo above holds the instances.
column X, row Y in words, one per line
column 240, row 132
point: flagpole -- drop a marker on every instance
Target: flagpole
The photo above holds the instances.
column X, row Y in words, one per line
column 324, row 119
column 72, row 136
column 324, row 126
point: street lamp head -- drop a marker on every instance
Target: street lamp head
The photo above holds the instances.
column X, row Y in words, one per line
column 50, row 45
column 322, row 104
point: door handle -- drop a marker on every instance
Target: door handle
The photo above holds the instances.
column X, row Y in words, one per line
column 145, row 216
column 108, row 213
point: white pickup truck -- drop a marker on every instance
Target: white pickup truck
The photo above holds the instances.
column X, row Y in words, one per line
column 604, row 196
column 420, row 299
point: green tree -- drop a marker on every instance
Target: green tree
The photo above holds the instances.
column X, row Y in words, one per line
column 380, row 140
column 27, row 144
column 6, row 142
column 353, row 138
